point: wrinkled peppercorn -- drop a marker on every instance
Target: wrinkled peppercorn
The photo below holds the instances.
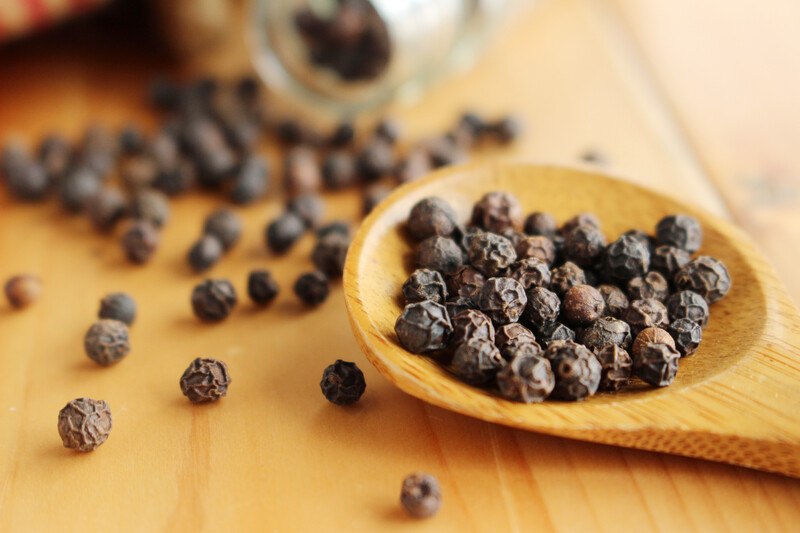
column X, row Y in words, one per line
column 22, row 290
column 651, row 334
column 213, row 300
column 329, row 254
column 312, row 288
column 477, row 361
column 106, row 342
column 688, row 304
column 565, row 277
column 513, row 333
column 497, row 211
column 225, row 225
column 626, row 258
column 424, row 284
column 470, row 324
column 681, row 231
column 140, row 241
column 423, row 327
column 503, row 300
column 262, row 287
column 668, row 260
column 555, row 332
column 615, row 299
column 687, row 334
column 576, row 369
column 431, row 216
column 606, row 330
column 375, row 160
column 584, row 245
column 656, row 364
column 342, row 383
column 284, row 231
column 204, row 253
column 490, row 253
column 582, row 305
column 339, row 170
column 527, row 379
column 537, row 247
column 530, row 272
column 706, row 276
column 465, row 282
column 84, row 424
column 457, row 304
column 118, row 306
column 539, row 223
column 616, row 365
column 420, row 495
column 651, row 285
column 205, row 380
column 581, row 219
column 439, row 253
column 543, row 307
column 646, row 240
column 106, row 208
column 520, row 347
column 646, row 313
column 150, row 205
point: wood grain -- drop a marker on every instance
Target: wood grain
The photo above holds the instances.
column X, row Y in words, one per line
column 273, row 454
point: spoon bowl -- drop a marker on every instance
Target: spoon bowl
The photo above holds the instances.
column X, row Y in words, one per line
column 736, row 400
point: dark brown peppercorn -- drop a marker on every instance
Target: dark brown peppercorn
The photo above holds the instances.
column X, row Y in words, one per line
column 213, row 299
column 565, row 277
column 687, row 335
column 55, row 155
column 423, row 327
column 106, row 208
column 339, row 227
column 615, row 299
column 22, row 290
column 576, row 369
column 543, row 307
column 604, row 331
column 706, row 276
column 107, row 342
column 301, row 171
column 513, row 333
column 205, row 380
column 342, row 135
column 84, row 424
column 503, row 300
column 374, row 195
column 491, row 254
column 342, row 383
column 77, row 188
column 312, row 288
column 538, row 247
column 530, row 272
column 424, row 284
column 375, row 160
column 656, row 364
column 581, row 219
column 388, row 130
column 539, row 223
column 505, row 130
column 251, row 181
column 262, row 287
column 330, row 253
column 439, row 253
column 225, row 225
column 582, row 305
column 681, row 231
column 646, row 240
column 204, row 253
column 648, row 335
column 688, row 304
column 465, row 282
column 477, row 361
column 339, row 170
column 27, row 179
column 420, row 495
column 431, row 216
column 416, row 164
column 140, row 241
column 668, row 260
column 284, row 231
column 646, row 313
column 584, row 245
column 626, row 258
column 470, row 324
column 616, row 366
column 444, row 151
column 527, row 379
column 459, row 303
column 555, row 332
column 652, row 285
column 520, row 348
column 309, row 207
column 497, row 211
column 118, row 306
column 150, row 205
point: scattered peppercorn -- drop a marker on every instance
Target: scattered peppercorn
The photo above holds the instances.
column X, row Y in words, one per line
column 262, row 287
column 118, row 306
column 107, row 341
column 152, row 206
column 225, row 225
column 22, row 290
column 251, row 181
column 284, row 231
column 375, row 160
column 308, row 207
column 140, row 241
column 343, row 383
column 205, row 380
column 84, row 424
column 204, row 253
column 330, row 253
column 339, row 170
column 312, row 288
column 420, row 495
column 301, row 171
column 213, row 300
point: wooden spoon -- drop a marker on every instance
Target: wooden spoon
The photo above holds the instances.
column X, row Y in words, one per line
column 736, row 400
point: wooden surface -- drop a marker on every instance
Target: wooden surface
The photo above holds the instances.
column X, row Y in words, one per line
column 715, row 407
column 662, row 88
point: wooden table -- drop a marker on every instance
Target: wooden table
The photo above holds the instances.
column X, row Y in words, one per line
column 698, row 99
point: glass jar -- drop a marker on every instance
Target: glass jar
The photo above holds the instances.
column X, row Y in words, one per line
column 342, row 57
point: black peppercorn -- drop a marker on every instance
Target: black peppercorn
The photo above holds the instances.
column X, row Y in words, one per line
column 388, row 130
column 375, row 160
column 439, row 253
column 457, row 304
column 584, row 245
column 416, row 164
column 687, row 334
column 470, row 324
column 505, row 130
column 530, row 272
column 205, row 380
column 150, row 205
column 140, row 241
column 582, row 305
column 262, row 287
column 555, row 332
column 626, row 258
column 646, row 240
column 213, row 300
column 251, row 180
column 651, row 334
column 537, row 247
column 646, row 313
column 342, row 383
column 22, row 290
column 616, row 366
column 78, row 187
column 204, row 253
column 681, row 231
column 576, row 369
column 497, row 211
column 312, row 288
column 118, row 306
column 656, row 364
column 651, row 285
column 284, row 231
column 55, row 155
column 527, row 379
column 420, row 495
column 301, row 171
column 423, row 327
column 565, row 277
column 338, row 227
column 539, row 223
column 84, row 424
column 131, row 140
column 706, row 276
column 477, row 361
column 424, row 284
column 465, row 282
column 543, row 307
column 225, row 225
column 513, row 333
column 27, row 179
column 107, row 342
column 491, row 254
column 342, row 135
column 615, row 299
column 581, row 219
column 604, row 331
column 106, row 208
column 329, row 254
column 668, row 260
column 520, row 347
column 444, row 151
column 339, row 170
column 503, row 300
column 688, row 304
column 309, row 207
column 431, row 216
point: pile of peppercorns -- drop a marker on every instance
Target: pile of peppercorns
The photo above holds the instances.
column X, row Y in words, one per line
column 554, row 312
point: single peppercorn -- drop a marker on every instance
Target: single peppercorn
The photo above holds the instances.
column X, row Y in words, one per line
column 457, row 304
column 688, row 304
column 106, row 342
column 706, row 276
column 668, row 260
column 329, row 254
column 651, row 285
column 140, row 241
column 342, row 135
column 78, row 186
column 497, row 211
column 646, row 240
column 439, row 253
column 681, row 231
column 584, row 245
column 651, row 334
column 503, row 300
column 543, row 307
column 225, row 225
column 656, row 364
column 150, row 205
column 205, row 380
column 520, row 347
column 537, row 247
column 606, row 330
column 512, row 333
column 27, row 179
column 577, row 371
column 375, row 160
column 514, row 236
column 470, row 324
column 84, row 424
column 373, row 195
column 444, row 151
column 22, row 290
column 309, row 207
column 204, row 253
column 568, row 275
column 615, row 300
column 416, row 164
column 312, row 288
column 343, row 383
column 106, row 208
column 582, row 305
column 555, row 332
column 262, row 287
column 626, row 258
column 338, row 227
column 431, row 216
column 530, row 272
column 301, row 171
column 339, row 170
column 687, row 334
column 465, row 282
column 213, row 300
column 423, row 327
column 527, row 379
column 251, row 180
column 490, row 253
column 646, row 313
column 284, row 231
column 55, row 155
column 616, row 366
column 118, row 306
column 131, row 140
column 477, row 361
column 424, row 284
column 420, row 495
column 539, row 223
column 581, row 219
column 506, row 129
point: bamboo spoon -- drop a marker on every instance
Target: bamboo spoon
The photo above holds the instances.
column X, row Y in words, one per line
column 737, row 400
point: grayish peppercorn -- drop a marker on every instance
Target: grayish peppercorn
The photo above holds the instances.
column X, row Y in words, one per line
column 77, row 188
column 375, row 160
column 225, row 225
column 309, row 207
column 651, row 285
column 205, row 380
column 668, row 260
column 527, row 379
column 373, row 195
column 342, row 135
column 582, row 305
column 537, row 247
column 107, row 342
column 555, row 332
column 55, row 155
column 312, row 288
column 543, row 307
column 539, row 223
column 576, row 369
column 615, row 299
column 616, row 365
column 497, row 211
column 656, row 364
column 444, row 151
column 284, row 231
column 106, row 208
column 439, row 253
column 301, row 171
column 342, row 383
column 706, row 276
column 514, row 333
column 646, row 313
column 457, row 304
column 84, row 424
column 584, row 245
column 22, row 290
column 150, row 205
column 470, row 324
column 423, row 327
column 213, row 300
column 604, row 331
column 140, row 241
column 477, row 361
column 204, row 253
column 681, row 231
column 646, row 240
column 420, row 495
column 424, row 284
column 651, row 334
column 490, row 253
column 530, row 272
column 329, row 254
column 416, row 164
column 339, row 170
column 27, row 179
column 339, row 227
column 565, row 277
column 431, row 216
column 388, row 130
column 251, row 181
column 581, row 219
column 688, row 304
column 262, row 287
column 626, row 258
column 118, row 306
column 687, row 334
column 506, row 129
column 503, row 300
column 465, row 282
